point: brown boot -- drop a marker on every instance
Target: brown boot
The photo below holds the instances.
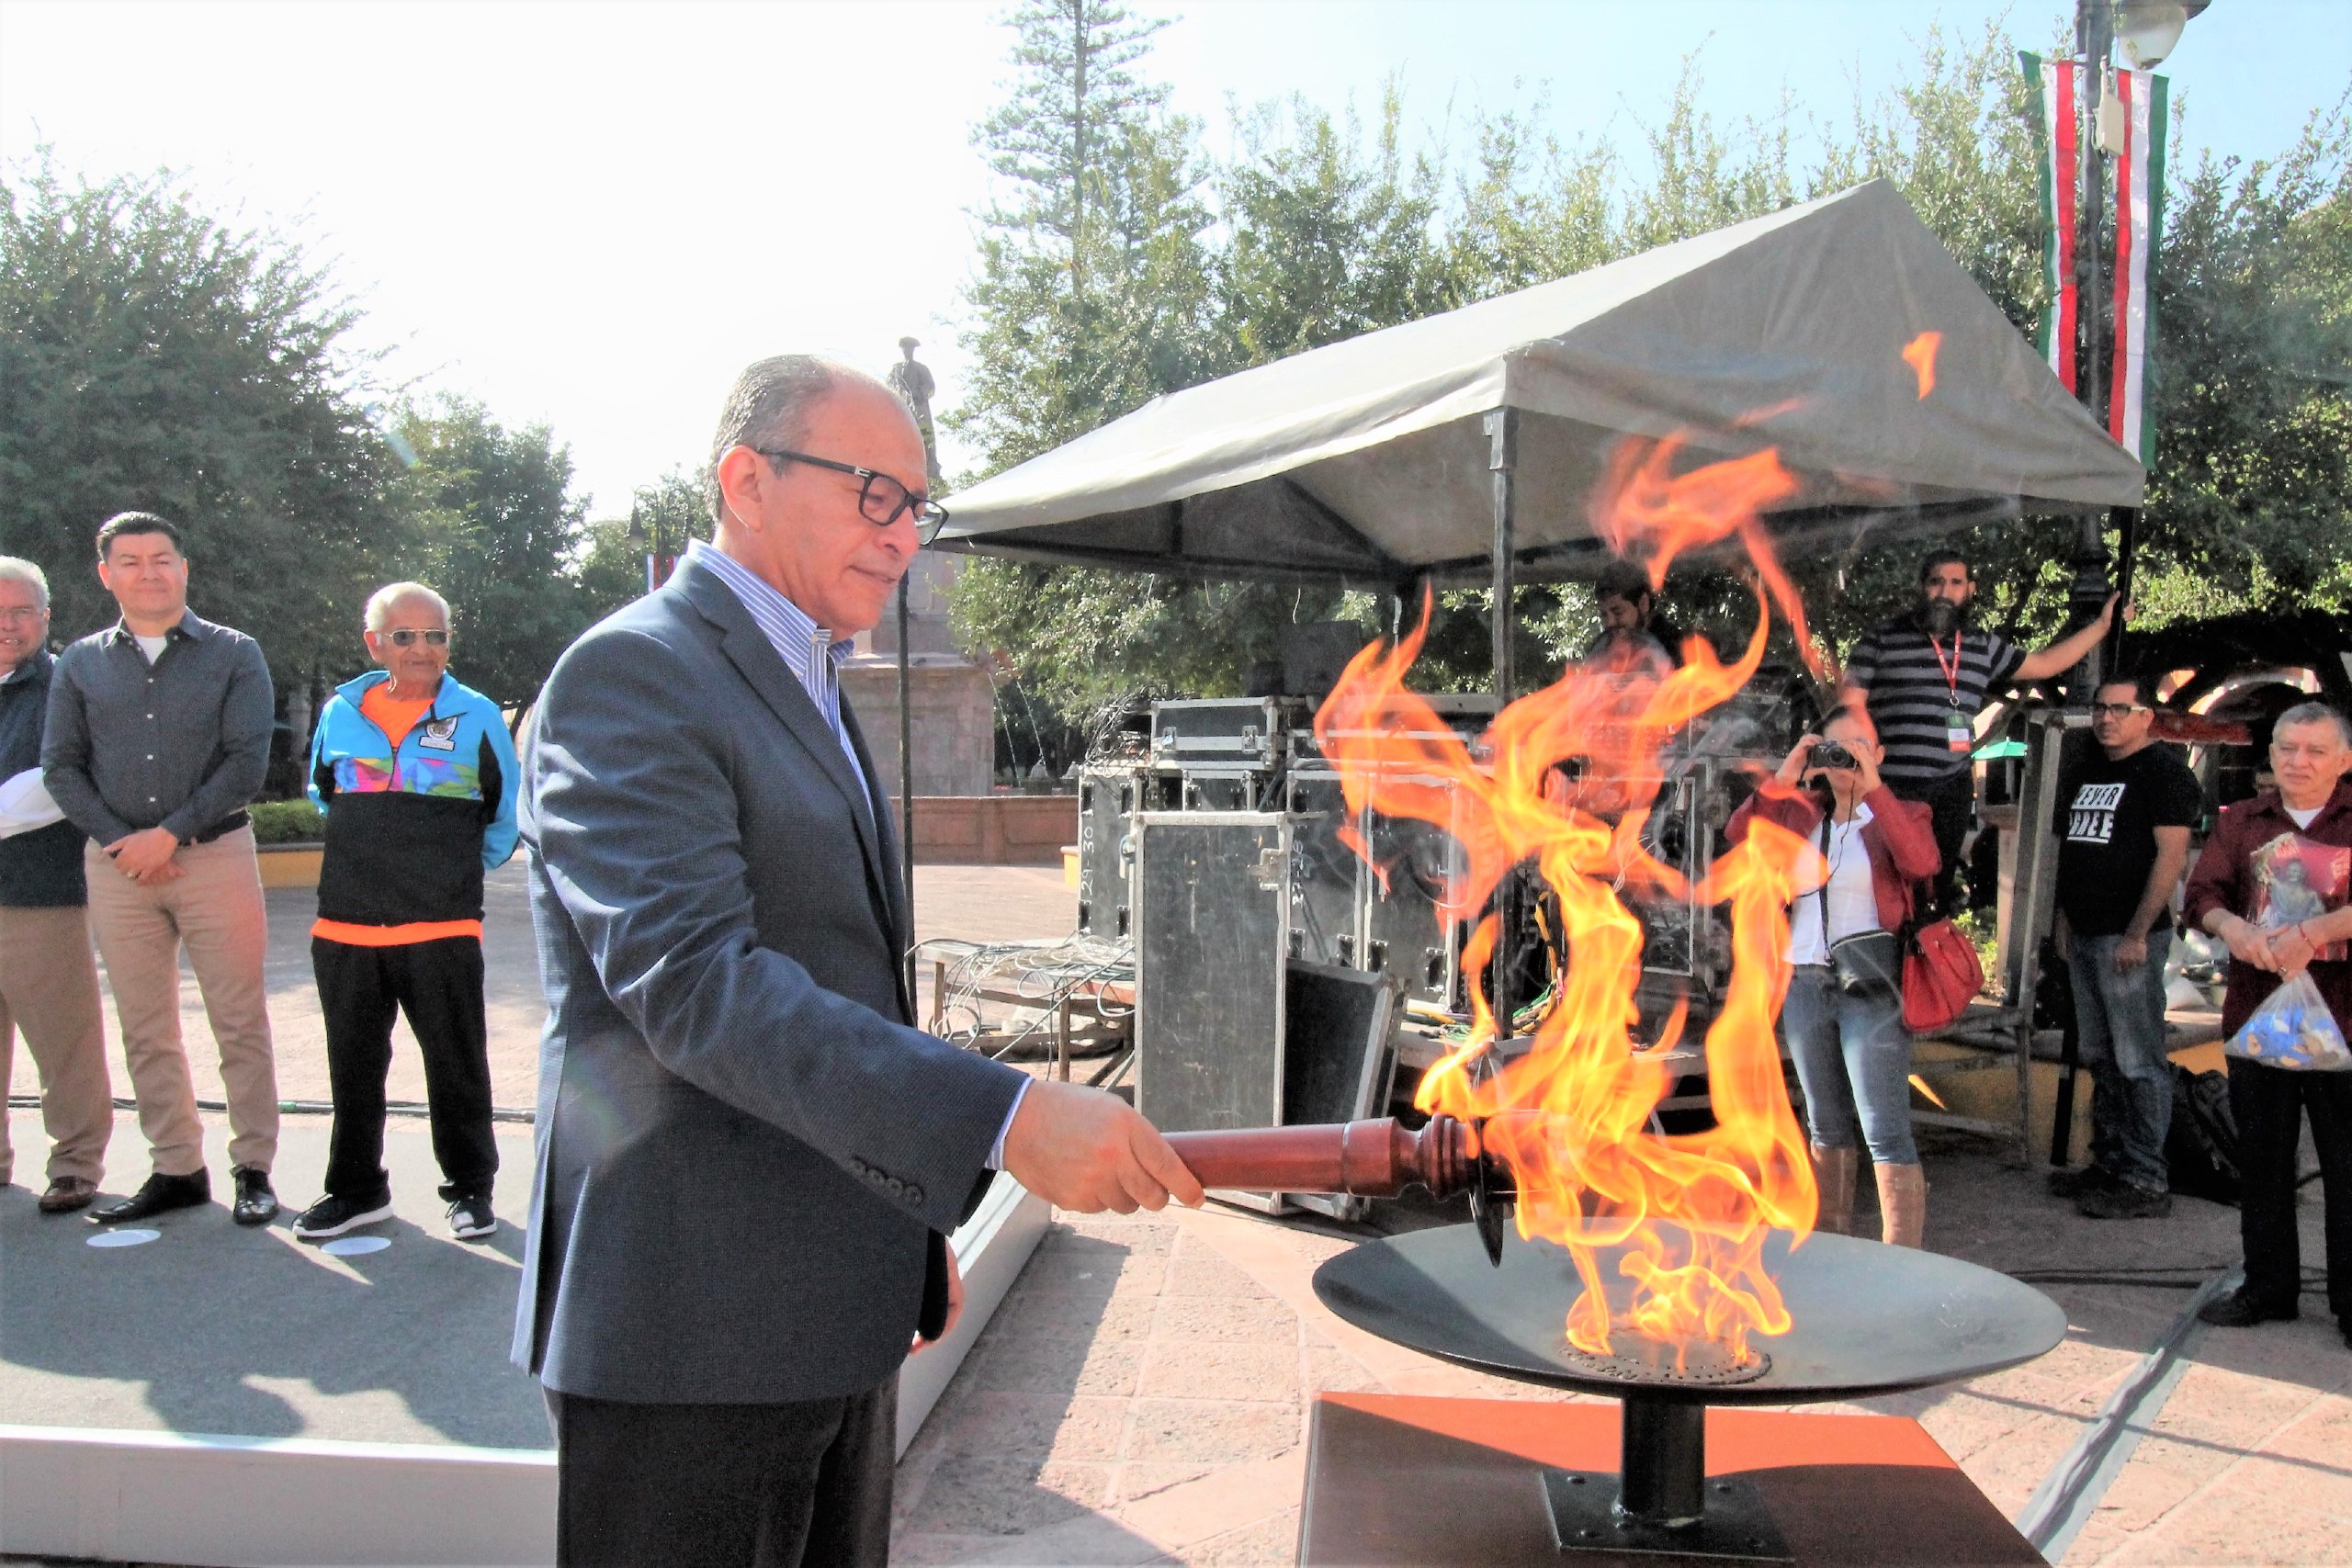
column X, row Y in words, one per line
column 1902, row 1203
column 1833, row 1172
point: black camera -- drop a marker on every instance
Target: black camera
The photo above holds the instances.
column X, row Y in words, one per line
column 1830, row 754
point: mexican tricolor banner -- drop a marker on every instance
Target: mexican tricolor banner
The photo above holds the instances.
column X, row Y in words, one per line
column 2058, row 126
column 2140, row 212
column 2141, row 103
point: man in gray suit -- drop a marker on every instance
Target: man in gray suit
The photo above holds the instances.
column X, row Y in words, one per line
column 748, row 1159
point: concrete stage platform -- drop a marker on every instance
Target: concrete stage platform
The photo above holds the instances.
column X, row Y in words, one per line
column 221, row 1395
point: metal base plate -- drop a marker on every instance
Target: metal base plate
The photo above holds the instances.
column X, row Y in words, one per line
column 1735, row 1527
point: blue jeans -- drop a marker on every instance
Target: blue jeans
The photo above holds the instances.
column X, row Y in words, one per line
column 1852, row 1055
column 2121, row 1020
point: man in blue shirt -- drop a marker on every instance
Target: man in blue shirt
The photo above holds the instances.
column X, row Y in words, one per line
column 748, row 1157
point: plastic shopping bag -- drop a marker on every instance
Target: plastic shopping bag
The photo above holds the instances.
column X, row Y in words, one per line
column 2293, row 1028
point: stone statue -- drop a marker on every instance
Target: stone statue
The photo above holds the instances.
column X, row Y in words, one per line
column 911, row 380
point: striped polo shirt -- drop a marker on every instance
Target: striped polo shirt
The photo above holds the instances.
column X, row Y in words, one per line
column 1915, row 686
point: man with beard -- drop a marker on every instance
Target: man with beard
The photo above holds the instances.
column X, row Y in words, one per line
column 1634, row 634
column 1925, row 677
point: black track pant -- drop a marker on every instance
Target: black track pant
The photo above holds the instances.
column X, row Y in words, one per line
column 2268, row 1104
column 438, row 986
column 725, row 1485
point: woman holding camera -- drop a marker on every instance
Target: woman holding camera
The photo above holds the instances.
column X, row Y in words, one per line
column 1844, row 1013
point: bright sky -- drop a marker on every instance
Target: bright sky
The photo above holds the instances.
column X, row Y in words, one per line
column 592, row 214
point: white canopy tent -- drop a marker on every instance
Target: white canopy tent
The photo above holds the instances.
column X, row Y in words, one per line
column 1469, row 443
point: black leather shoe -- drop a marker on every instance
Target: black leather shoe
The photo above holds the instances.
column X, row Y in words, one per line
column 257, row 1204
column 2077, row 1183
column 2238, row 1309
column 159, row 1194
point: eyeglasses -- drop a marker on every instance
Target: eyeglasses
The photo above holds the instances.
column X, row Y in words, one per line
column 21, row 612
column 882, row 499
column 2117, row 710
column 406, row 636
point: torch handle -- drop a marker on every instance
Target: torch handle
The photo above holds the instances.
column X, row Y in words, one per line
column 1365, row 1160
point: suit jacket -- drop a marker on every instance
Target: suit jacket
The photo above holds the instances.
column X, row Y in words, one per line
column 745, row 1152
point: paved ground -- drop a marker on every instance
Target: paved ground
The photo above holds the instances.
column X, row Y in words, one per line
column 1143, row 1396
column 979, row 902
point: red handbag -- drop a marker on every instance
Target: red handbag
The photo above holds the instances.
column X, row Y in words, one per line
column 1941, row 976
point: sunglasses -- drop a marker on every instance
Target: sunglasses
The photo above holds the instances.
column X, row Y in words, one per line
column 406, row 636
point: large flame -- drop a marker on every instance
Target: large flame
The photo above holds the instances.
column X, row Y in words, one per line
column 1686, row 1215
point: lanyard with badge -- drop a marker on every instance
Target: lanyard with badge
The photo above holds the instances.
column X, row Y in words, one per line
column 1959, row 727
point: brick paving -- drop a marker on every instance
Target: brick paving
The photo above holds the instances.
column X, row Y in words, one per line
column 1143, row 1396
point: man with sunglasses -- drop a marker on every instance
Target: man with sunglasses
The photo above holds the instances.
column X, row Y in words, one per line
column 2122, row 825
column 749, row 1160
column 417, row 779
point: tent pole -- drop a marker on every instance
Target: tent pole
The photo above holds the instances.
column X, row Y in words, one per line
column 1502, row 443
column 1502, row 451
column 906, row 758
column 1401, row 602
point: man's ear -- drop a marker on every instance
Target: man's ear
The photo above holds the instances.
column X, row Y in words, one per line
column 743, row 478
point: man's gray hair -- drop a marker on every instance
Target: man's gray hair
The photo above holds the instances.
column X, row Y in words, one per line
column 380, row 603
column 15, row 569
column 2315, row 713
column 769, row 407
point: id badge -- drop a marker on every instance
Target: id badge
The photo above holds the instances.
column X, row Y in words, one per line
column 1959, row 732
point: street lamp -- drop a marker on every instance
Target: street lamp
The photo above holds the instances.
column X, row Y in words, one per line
column 2148, row 30
column 640, row 541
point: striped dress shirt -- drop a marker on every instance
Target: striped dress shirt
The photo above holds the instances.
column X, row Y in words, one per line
column 815, row 658
column 810, row 652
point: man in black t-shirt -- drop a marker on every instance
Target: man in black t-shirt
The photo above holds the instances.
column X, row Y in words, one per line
column 1926, row 676
column 2123, row 822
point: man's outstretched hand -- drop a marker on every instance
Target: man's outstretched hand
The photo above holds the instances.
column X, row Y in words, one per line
column 1087, row 1150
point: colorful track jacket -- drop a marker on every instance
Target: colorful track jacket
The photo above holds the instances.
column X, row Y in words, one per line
column 409, row 835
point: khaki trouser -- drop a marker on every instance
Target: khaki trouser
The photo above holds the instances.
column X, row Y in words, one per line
column 49, row 990
column 216, row 911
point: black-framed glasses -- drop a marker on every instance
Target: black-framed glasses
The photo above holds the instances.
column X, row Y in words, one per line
column 882, row 499
column 405, row 636
column 2116, row 710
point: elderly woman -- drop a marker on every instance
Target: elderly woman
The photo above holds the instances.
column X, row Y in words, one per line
column 1844, row 1013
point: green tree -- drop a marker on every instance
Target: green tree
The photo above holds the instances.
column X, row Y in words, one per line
column 498, row 533
column 667, row 513
column 1324, row 231
column 2251, row 385
column 153, row 356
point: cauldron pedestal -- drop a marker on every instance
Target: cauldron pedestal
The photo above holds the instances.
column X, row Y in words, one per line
column 1867, row 1320
column 1402, row 1480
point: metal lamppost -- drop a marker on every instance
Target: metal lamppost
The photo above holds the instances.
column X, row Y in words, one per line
column 915, row 385
column 2148, row 29
column 639, row 539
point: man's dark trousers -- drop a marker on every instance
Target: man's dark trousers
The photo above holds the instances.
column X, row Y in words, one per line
column 2268, row 1103
column 438, row 984
column 744, row 1486
column 1951, row 799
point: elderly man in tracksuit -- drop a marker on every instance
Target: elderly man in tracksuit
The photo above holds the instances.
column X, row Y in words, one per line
column 417, row 779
